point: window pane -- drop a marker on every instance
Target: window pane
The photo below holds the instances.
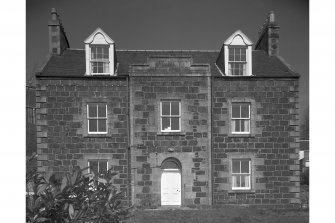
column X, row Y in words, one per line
column 102, row 111
column 102, row 166
column 242, row 181
column 237, row 54
column 174, row 123
column 243, row 57
column 94, row 68
column 174, row 108
column 245, row 166
column 106, row 52
column 93, row 166
column 233, row 123
column 106, row 55
column 92, row 125
column 246, row 126
column 100, row 68
column 244, row 111
column 234, row 181
column 166, row 124
column 238, row 181
column 236, row 166
column 230, row 69
column 247, row 181
column 165, row 108
column 92, row 111
column 231, row 54
column 102, row 125
column 99, row 52
column 237, row 125
column 93, row 52
column 236, row 111
column 106, row 68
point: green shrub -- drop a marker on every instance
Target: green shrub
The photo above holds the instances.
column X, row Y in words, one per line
column 76, row 197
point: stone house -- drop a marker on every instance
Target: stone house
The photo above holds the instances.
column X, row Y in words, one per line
column 185, row 128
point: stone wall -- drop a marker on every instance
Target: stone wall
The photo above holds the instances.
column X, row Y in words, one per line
column 272, row 146
column 151, row 146
column 63, row 141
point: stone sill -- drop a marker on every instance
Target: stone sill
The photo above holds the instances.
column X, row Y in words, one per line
column 241, row 135
column 97, row 136
column 171, row 134
column 241, row 191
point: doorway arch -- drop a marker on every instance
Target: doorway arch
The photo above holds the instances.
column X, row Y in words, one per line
column 171, row 182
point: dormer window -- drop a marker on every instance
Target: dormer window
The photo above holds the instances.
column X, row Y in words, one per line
column 99, row 53
column 237, row 61
column 238, row 55
column 100, row 59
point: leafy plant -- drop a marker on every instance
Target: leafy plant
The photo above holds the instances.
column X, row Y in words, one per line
column 77, row 197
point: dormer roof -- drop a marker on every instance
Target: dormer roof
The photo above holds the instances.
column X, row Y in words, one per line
column 99, row 37
column 238, row 38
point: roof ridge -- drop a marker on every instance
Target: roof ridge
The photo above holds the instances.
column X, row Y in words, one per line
column 125, row 50
column 216, row 51
column 74, row 49
column 169, row 50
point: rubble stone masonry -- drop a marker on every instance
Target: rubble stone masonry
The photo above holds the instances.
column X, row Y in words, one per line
column 63, row 141
column 272, row 144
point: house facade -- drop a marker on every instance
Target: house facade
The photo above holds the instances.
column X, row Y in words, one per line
column 181, row 128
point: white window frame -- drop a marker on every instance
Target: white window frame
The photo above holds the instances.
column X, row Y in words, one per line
column 101, row 60
column 240, row 118
column 96, row 160
column 240, row 174
column 235, row 62
column 96, row 118
column 238, row 39
column 170, row 116
column 99, row 38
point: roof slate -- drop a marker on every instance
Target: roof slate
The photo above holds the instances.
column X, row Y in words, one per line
column 72, row 62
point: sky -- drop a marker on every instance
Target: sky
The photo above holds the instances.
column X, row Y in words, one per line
column 172, row 25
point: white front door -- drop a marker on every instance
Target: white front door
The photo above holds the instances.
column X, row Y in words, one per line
column 171, row 187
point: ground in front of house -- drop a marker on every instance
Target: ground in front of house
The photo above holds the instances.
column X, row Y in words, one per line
column 222, row 215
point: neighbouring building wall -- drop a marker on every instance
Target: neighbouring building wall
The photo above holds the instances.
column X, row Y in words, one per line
column 272, row 145
column 30, row 121
column 63, row 141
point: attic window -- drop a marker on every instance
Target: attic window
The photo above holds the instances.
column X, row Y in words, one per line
column 238, row 55
column 100, row 59
column 99, row 54
column 237, row 61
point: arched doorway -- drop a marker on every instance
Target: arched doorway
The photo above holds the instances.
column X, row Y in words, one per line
column 171, row 182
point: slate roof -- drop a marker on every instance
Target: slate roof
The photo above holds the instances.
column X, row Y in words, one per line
column 72, row 62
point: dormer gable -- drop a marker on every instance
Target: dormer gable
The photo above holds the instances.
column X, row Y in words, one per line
column 235, row 58
column 100, row 54
column 238, row 38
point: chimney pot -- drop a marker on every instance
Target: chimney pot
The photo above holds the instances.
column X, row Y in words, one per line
column 271, row 16
column 54, row 15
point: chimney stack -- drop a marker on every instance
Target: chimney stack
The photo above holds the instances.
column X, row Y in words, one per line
column 57, row 37
column 269, row 36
